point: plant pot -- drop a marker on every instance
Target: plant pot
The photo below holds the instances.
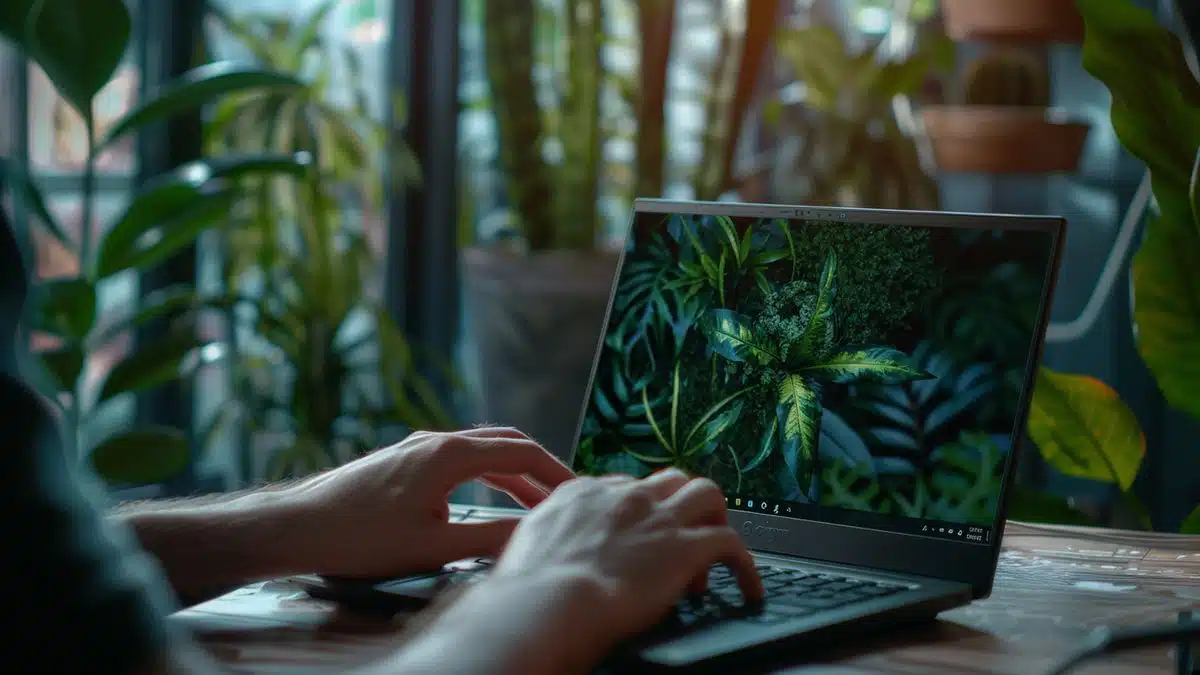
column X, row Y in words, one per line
column 533, row 326
column 1003, row 140
column 995, row 21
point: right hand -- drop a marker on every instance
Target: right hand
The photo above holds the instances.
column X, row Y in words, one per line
column 639, row 545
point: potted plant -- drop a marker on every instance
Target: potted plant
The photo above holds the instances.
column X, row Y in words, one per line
column 166, row 215
column 850, row 149
column 322, row 371
column 1079, row 423
column 537, row 289
column 1040, row 21
column 1003, row 122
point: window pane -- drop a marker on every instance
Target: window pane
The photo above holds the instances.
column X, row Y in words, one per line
column 57, row 137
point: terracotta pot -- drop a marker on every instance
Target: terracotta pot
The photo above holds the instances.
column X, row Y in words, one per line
column 533, row 327
column 1008, row 140
column 1040, row 21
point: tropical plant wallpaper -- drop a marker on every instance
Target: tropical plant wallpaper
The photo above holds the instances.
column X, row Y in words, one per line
column 867, row 367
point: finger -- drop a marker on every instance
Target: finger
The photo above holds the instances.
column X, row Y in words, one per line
column 520, row 488
column 474, row 540
column 699, row 502
column 465, row 458
column 706, row 546
column 665, row 483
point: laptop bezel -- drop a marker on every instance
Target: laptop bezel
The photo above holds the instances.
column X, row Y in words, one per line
column 969, row 563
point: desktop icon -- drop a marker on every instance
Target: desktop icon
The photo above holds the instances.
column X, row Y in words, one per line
column 924, row 528
column 941, row 529
column 750, row 503
column 737, row 502
column 776, row 508
column 764, row 506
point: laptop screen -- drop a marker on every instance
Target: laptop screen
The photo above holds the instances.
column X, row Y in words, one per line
column 862, row 374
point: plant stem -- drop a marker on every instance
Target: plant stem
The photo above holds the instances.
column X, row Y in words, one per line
column 89, row 184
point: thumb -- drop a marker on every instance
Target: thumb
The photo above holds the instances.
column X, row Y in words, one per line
column 467, row 540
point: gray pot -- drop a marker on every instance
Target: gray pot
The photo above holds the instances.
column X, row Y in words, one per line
column 533, row 325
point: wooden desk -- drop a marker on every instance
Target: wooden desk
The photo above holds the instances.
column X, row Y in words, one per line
column 1054, row 585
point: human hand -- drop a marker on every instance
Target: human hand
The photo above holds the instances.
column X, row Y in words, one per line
column 600, row 561
column 386, row 514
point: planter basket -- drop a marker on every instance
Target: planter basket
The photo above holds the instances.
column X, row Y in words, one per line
column 1003, row 140
column 1029, row 21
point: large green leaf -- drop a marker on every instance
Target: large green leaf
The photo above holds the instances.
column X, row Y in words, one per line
column 66, row 307
column 1166, row 279
column 799, row 412
column 161, row 232
column 198, row 87
column 142, row 457
column 874, row 365
column 818, row 335
column 730, row 336
column 1155, row 99
column 709, row 429
column 1084, row 429
column 1191, row 525
column 64, row 364
column 77, row 43
column 22, row 185
column 156, row 364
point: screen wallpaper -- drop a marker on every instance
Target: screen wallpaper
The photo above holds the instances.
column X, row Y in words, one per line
column 868, row 367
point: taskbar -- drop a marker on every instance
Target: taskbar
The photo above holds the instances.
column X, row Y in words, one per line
column 937, row 529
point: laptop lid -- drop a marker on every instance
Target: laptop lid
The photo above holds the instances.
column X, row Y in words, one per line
column 855, row 380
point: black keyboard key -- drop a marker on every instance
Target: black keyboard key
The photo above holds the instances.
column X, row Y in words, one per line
column 805, row 602
column 764, row 617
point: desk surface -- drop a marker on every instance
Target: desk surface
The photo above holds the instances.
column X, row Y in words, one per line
column 1054, row 584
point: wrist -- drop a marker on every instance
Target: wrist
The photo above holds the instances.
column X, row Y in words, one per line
column 536, row 624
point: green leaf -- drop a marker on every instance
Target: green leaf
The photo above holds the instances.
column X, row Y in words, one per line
column 66, row 307
column 77, row 43
column 21, row 184
column 1084, row 429
column 142, row 457
column 799, row 413
column 818, row 335
column 65, row 365
column 1039, row 507
column 766, row 445
column 196, row 88
column 1191, row 525
column 729, row 335
column 164, row 303
column 874, row 365
column 1166, row 311
column 1155, row 98
column 707, row 432
column 161, row 228
column 156, row 364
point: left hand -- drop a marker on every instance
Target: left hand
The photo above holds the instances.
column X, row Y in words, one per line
column 387, row 514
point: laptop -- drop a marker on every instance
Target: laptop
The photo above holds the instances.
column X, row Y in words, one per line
column 856, row 381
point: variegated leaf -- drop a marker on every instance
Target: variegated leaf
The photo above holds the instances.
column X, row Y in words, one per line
column 818, row 335
column 799, row 413
column 873, row 365
column 730, row 336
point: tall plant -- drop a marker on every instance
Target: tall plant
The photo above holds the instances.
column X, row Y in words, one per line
column 1079, row 423
column 315, row 346
column 79, row 44
column 553, row 202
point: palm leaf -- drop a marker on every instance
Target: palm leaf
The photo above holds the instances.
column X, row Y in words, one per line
column 874, row 365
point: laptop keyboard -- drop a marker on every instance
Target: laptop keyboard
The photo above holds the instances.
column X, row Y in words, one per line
column 790, row 593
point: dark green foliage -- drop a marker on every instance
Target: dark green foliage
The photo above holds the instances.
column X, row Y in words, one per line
column 886, row 273
column 775, row 358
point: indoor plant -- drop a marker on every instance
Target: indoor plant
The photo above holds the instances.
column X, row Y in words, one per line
column 536, row 295
column 1080, row 425
column 79, row 45
column 322, row 370
column 851, row 149
column 1040, row 21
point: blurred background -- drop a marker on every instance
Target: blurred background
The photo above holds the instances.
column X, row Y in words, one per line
column 449, row 261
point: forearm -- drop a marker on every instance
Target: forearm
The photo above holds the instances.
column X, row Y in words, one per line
column 210, row 545
column 509, row 626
